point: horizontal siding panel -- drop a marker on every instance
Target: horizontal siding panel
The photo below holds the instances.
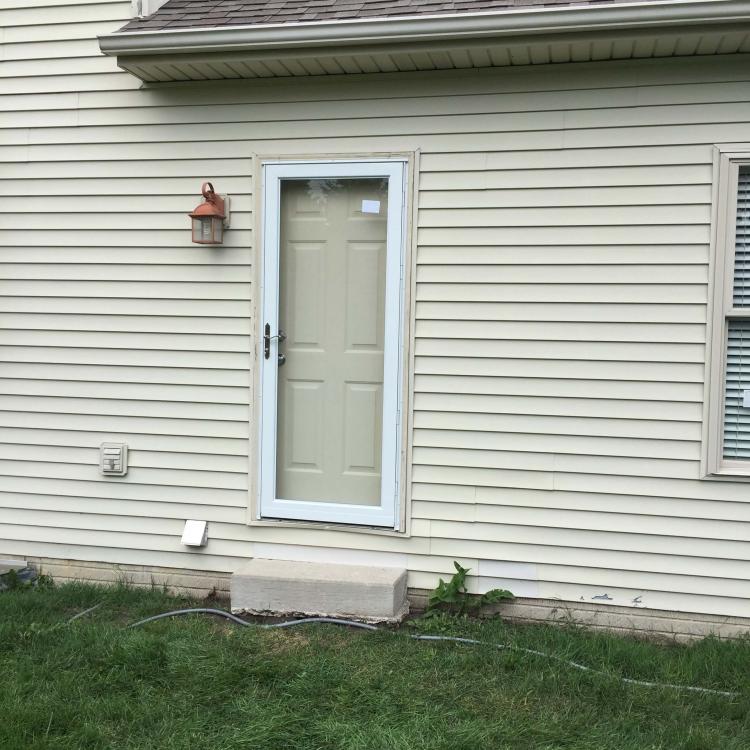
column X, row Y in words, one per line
column 138, row 458
column 594, row 350
column 126, row 256
column 561, row 311
column 172, row 444
column 600, row 540
column 691, row 294
column 667, row 507
column 554, row 444
column 116, row 556
column 136, row 475
column 553, row 331
column 127, row 340
column 93, row 144
column 558, row 425
column 115, row 424
column 57, row 30
column 113, row 205
column 552, row 406
column 126, row 306
column 575, row 197
column 129, row 508
column 142, row 168
column 474, row 90
column 653, row 372
column 593, row 558
column 216, row 326
column 104, row 490
column 576, row 216
column 519, row 131
column 461, row 459
column 208, row 274
column 465, row 496
column 594, row 108
column 735, row 491
column 60, row 14
column 131, row 391
column 163, row 222
column 64, row 66
column 119, row 406
column 563, row 274
column 454, row 175
column 557, row 233
column 47, row 50
column 117, row 375
column 632, row 158
column 130, row 357
column 578, row 255
column 554, row 387
column 110, row 81
column 64, row 189
column 125, row 237
column 686, row 528
column 104, row 539
column 184, row 290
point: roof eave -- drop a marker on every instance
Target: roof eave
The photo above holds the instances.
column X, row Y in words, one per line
column 415, row 29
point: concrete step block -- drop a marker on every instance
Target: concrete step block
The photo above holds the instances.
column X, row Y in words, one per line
column 291, row 587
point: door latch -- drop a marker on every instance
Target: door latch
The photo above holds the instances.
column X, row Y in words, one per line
column 267, row 339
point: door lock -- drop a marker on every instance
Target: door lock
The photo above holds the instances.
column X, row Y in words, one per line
column 267, row 339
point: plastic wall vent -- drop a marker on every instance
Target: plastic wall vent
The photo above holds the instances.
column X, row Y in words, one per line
column 113, row 459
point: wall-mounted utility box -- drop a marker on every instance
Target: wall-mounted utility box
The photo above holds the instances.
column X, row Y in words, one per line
column 113, row 459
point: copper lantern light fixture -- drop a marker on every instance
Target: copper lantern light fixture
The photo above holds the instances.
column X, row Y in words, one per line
column 211, row 217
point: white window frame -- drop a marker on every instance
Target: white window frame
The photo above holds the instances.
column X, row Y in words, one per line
column 270, row 507
column 727, row 162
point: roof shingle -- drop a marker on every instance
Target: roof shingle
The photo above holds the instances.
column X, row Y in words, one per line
column 182, row 14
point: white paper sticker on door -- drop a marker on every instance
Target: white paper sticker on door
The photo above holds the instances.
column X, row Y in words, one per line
column 370, row 207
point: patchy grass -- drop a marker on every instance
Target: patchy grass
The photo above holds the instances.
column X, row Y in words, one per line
column 200, row 683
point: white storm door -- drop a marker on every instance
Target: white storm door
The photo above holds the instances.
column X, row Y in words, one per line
column 330, row 342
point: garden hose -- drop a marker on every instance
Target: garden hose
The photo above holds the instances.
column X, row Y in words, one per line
column 418, row 637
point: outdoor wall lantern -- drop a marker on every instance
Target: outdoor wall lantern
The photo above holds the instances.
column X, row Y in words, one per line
column 211, row 217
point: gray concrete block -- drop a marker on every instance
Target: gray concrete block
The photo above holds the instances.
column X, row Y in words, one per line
column 334, row 590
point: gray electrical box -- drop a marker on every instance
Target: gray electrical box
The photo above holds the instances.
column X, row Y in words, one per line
column 113, row 459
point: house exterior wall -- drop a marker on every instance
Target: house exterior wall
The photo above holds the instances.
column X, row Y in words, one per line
column 561, row 266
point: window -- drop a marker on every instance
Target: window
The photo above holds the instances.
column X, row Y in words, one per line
column 728, row 382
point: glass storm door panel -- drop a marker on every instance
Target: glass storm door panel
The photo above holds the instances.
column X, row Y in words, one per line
column 332, row 304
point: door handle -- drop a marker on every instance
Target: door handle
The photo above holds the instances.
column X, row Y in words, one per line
column 267, row 339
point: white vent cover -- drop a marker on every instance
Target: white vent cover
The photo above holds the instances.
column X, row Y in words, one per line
column 195, row 534
column 113, row 459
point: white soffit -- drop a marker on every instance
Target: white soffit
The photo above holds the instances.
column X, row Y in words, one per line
column 480, row 40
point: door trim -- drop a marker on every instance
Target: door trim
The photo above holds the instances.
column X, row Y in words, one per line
column 269, row 507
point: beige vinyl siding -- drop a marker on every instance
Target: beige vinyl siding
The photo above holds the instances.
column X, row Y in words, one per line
column 561, row 291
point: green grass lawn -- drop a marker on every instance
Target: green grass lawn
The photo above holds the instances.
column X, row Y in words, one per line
column 200, row 683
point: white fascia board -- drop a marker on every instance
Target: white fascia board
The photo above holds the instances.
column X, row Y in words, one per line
column 405, row 29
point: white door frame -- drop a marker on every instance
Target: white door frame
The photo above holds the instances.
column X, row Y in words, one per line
column 269, row 506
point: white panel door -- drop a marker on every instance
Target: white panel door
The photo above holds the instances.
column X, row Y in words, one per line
column 330, row 341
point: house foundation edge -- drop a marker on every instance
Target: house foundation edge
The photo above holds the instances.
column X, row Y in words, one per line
column 664, row 625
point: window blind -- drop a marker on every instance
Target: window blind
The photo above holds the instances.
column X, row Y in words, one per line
column 737, row 380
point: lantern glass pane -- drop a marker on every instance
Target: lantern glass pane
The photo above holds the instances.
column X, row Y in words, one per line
column 218, row 229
